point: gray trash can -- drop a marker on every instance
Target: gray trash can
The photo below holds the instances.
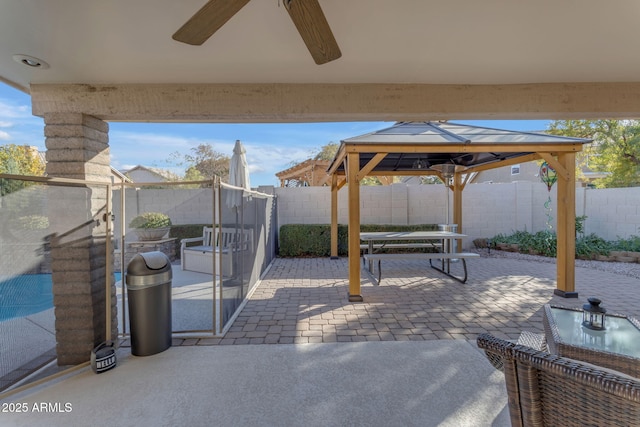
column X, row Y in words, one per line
column 149, row 293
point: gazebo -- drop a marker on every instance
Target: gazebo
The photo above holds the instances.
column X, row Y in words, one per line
column 308, row 173
column 455, row 150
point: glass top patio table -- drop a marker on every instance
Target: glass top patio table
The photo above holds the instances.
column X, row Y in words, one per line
column 617, row 347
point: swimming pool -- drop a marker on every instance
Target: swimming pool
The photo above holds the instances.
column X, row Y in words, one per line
column 26, row 294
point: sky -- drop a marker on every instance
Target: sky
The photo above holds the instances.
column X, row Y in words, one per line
column 270, row 148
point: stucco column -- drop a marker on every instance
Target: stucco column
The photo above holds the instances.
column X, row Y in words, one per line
column 77, row 147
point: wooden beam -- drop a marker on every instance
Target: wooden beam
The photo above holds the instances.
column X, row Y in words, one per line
column 337, row 160
column 402, row 173
column 565, row 230
column 319, row 102
column 560, row 170
column 354, row 227
column 370, row 165
column 501, row 163
column 467, row 177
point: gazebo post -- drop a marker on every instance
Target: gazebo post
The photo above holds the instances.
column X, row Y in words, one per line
column 334, row 216
column 566, row 226
column 353, row 167
column 457, row 205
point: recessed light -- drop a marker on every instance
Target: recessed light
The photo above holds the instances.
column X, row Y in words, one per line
column 31, row 61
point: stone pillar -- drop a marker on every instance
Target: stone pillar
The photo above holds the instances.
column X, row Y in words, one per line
column 77, row 147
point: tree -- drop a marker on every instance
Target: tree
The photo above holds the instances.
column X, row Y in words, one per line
column 615, row 148
column 18, row 160
column 204, row 163
column 327, row 152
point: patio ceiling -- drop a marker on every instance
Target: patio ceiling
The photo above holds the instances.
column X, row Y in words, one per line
column 410, row 148
column 407, row 60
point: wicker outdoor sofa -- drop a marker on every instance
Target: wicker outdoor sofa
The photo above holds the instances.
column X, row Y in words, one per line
column 549, row 390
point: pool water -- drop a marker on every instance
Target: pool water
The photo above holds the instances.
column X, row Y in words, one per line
column 26, row 294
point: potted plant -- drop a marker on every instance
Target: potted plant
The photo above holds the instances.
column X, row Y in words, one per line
column 150, row 225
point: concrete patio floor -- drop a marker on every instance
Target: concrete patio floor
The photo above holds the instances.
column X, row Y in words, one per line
column 405, row 356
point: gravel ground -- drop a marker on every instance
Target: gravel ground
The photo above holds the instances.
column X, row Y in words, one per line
column 623, row 268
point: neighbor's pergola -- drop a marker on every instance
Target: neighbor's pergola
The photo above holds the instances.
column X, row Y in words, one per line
column 311, row 173
column 424, row 148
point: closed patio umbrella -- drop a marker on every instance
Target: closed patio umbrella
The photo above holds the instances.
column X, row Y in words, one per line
column 238, row 177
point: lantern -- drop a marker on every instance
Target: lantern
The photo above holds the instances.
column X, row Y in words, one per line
column 593, row 315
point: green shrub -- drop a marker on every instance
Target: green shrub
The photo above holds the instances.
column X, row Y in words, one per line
column 33, row 222
column 591, row 245
column 630, row 244
column 150, row 220
column 580, row 224
column 545, row 243
column 310, row 240
column 314, row 240
column 185, row 231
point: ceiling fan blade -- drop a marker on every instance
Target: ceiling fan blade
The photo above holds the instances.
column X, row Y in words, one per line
column 314, row 29
column 209, row 19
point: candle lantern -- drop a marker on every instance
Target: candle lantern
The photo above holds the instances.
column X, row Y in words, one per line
column 593, row 315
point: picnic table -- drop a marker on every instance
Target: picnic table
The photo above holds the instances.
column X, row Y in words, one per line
column 441, row 241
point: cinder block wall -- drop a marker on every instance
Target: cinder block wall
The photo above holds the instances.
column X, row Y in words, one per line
column 612, row 213
column 488, row 209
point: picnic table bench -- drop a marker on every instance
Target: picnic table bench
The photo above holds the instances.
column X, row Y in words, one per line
column 443, row 256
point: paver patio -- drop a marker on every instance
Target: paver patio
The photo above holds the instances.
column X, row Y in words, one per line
column 304, row 300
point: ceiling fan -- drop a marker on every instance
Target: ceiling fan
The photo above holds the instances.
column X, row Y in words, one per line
column 307, row 16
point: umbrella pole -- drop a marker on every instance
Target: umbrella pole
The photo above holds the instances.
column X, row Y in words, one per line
column 240, row 251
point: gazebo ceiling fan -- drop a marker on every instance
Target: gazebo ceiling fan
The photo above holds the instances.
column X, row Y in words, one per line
column 307, row 16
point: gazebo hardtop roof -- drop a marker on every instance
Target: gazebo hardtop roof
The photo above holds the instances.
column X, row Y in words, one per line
column 432, row 143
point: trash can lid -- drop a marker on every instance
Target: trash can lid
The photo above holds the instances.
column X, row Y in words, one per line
column 149, row 268
column 155, row 260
